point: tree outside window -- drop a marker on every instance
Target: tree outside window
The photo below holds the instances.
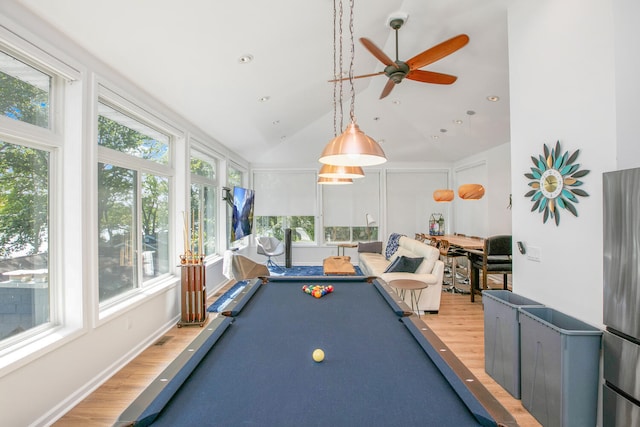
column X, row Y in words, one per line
column 133, row 205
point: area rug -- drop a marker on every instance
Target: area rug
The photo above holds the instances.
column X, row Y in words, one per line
column 298, row 270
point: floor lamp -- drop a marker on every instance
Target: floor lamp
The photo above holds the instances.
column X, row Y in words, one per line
column 370, row 221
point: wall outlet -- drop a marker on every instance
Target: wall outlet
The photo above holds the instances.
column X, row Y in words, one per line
column 533, row 253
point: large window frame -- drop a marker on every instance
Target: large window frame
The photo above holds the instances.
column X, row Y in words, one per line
column 54, row 317
column 286, row 199
column 204, row 197
column 147, row 269
column 345, row 210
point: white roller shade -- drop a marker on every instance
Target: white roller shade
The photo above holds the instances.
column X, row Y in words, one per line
column 347, row 205
column 285, row 193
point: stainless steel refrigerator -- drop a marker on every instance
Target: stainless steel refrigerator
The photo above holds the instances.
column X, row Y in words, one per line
column 621, row 391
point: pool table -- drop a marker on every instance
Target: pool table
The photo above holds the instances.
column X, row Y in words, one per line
column 253, row 365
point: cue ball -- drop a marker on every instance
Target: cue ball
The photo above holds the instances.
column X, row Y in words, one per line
column 318, row 355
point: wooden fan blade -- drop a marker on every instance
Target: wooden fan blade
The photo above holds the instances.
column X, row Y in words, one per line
column 357, row 77
column 431, row 77
column 377, row 52
column 437, row 52
column 387, row 88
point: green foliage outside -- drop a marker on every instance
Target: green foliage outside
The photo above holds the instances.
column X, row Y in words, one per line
column 24, row 200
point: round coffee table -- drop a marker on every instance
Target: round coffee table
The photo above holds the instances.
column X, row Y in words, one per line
column 414, row 287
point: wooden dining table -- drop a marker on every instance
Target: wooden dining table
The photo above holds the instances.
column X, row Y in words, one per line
column 464, row 242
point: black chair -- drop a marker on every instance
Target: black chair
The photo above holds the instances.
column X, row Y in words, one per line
column 496, row 258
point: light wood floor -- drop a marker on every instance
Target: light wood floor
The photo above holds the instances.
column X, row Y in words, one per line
column 460, row 324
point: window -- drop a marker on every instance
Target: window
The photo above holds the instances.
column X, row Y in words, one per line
column 24, row 92
column 345, row 209
column 133, row 203
column 204, row 200
column 24, row 238
column 286, row 200
column 302, row 227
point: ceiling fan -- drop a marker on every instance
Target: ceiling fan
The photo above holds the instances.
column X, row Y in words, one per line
column 397, row 70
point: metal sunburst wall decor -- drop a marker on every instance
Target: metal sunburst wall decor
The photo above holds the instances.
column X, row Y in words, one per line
column 554, row 182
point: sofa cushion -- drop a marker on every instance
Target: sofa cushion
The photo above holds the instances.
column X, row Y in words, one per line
column 371, row 247
column 416, row 248
column 403, row 264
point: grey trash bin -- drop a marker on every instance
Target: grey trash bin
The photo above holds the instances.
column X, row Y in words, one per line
column 502, row 337
column 560, row 367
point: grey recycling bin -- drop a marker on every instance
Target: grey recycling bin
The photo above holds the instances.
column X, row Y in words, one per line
column 502, row 337
column 559, row 366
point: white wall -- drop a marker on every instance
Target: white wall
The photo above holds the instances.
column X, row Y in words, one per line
column 490, row 215
column 562, row 88
column 627, row 63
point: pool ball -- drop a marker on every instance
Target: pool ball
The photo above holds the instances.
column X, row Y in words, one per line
column 318, row 355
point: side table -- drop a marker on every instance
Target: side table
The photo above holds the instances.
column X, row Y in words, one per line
column 414, row 287
column 344, row 246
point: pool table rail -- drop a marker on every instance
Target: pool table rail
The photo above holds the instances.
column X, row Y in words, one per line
column 463, row 381
column 146, row 407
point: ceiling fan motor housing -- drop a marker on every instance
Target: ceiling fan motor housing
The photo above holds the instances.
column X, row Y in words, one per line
column 397, row 72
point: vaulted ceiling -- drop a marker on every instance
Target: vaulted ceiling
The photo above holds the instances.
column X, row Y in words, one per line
column 187, row 54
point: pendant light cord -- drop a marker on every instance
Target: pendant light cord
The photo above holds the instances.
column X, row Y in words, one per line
column 337, row 67
column 353, row 91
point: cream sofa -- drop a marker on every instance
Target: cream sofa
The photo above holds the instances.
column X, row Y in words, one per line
column 430, row 271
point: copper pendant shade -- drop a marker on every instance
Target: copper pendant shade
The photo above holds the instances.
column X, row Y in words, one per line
column 353, row 148
column 335, row 181
column 471, row 191
column 443, row 195
column 334, row 171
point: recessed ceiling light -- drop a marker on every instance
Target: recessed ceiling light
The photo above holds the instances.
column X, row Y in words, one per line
column 443, row 130
column 493, row 98
column 375, row 119
column 245, row 59
column 396, row 102
column 457, row 121
column 263, row 99
column 470, row 112
column 276, row 122
column 435, row 137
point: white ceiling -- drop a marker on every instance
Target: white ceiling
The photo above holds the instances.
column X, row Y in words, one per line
column 186, row 53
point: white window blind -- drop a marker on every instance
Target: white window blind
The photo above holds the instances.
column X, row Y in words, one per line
column 285, row 193
column 347, row 205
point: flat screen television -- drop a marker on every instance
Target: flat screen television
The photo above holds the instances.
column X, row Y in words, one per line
column 242, row 218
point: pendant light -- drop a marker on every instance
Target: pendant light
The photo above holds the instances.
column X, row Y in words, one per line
column 335, row 181
column 471, row 191
column 334, row 171
column 445, row 195
column 353, row 147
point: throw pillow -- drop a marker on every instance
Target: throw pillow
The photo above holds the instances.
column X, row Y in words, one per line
column 404, row 264
column 373, row 247
column 392, row 245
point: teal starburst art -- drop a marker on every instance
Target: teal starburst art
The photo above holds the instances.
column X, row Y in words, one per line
column 554, row 182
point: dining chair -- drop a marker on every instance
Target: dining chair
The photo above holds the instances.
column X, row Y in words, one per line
column 495, row 258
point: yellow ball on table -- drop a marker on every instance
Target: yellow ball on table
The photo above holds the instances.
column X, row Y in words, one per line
column 318, row 355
